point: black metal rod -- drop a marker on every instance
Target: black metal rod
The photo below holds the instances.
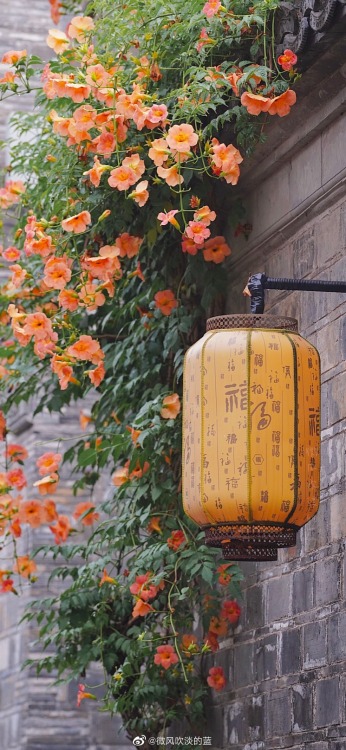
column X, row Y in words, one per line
column 258, row 282
column 311, row 285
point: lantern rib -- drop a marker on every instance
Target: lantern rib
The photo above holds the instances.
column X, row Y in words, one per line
column 203, row 371
column 295, row 430
column 217, row 441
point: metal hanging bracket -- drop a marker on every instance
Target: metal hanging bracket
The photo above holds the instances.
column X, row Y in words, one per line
column 258, row 282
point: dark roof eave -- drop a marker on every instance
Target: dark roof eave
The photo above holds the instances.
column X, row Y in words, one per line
column 307, row 31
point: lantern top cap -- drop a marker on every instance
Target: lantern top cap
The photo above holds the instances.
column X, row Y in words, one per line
column 252, row 321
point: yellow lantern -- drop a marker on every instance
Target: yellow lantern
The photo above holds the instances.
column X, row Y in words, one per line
column 251, row 434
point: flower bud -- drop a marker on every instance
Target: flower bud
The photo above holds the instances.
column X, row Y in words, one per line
column 105, row 214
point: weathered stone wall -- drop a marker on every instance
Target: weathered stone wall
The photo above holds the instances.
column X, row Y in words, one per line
column 287, row 662
column 23, row 25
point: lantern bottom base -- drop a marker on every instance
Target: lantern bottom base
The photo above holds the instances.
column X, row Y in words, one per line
column 242, row 553
column 250, row 541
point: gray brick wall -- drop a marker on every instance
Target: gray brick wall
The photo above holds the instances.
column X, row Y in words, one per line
column 287, row 689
